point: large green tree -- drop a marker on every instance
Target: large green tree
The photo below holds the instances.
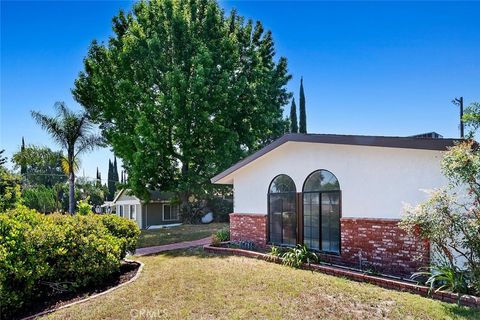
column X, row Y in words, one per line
column 40, row 165
column 73, row 131
column 3, row 159
column 10, row 194
column 182, row 91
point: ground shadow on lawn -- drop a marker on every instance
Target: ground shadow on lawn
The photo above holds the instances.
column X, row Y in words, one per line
column 460, row 311
column 197, row 252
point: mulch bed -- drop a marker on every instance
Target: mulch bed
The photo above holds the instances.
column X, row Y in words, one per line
column 128, row 270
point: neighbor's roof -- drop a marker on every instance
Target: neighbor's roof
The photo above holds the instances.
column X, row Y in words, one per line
column 155, row 195
column 374, row 141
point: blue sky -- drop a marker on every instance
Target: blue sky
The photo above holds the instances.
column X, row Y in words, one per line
column 376, row 68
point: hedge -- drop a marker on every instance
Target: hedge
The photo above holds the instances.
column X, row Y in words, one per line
column 43, row 255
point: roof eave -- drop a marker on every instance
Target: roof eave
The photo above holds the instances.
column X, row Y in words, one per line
column 371, row 141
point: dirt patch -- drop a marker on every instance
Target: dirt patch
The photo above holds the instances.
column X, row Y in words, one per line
column 128, row 270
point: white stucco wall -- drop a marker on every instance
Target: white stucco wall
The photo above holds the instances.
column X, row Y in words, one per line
column 375, row 181
column 126, row 201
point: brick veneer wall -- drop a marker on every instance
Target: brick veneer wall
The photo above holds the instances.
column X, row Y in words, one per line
column 251, row 227
column 377, row 245
column 380, row 245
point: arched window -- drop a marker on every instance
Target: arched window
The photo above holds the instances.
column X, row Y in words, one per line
column 321, row 211
column 282, row 213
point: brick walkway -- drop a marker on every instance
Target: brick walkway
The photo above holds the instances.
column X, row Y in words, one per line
column 172, row 246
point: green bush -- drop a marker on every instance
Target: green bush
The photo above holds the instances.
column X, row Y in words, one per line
column 42, row 255
column 84, row 207
column 121, row 228
column 223, row 235
column 215, row 241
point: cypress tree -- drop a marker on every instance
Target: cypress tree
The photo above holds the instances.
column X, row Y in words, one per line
column 110, row 182
column 115, row 170
column 293, row 117
column 23, row 167
column 303, row 114
column 99, row 179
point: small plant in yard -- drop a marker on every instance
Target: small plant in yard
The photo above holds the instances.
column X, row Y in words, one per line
column 275, row 251
column 445, row 277
column 299, row 255
column 223, row 235
column 215, row 241
column 275, row 254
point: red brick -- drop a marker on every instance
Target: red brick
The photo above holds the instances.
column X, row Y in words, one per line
column 388, row 248
column 249, row 227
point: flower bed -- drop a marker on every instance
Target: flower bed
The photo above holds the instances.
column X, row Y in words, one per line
column 464, row 300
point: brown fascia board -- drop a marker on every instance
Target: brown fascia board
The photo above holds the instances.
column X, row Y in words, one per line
column 373, row 141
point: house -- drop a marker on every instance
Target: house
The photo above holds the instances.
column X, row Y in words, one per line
column 341, row 195
column 157, row 212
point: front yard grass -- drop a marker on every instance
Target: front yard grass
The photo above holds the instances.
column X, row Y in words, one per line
column 185, row 232
column 191, row 284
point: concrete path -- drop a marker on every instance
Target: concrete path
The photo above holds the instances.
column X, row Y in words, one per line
column 172, row 246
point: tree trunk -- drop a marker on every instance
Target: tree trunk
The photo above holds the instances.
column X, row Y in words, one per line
column 184, row 196
column 71, row 190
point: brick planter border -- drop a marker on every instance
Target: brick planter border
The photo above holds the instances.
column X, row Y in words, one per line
column 464, row 300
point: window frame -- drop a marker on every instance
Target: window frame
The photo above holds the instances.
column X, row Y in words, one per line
column 163, row 212
column 120, row 210
column 294, row 193
column 134, row 215
column 339, row 191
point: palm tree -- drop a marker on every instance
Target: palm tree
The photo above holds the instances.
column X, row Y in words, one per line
column 73, row 131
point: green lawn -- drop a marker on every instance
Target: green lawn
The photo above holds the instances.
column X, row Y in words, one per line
column 191, row 284
column 185, row 232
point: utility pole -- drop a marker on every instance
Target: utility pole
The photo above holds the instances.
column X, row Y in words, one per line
column 459, row 102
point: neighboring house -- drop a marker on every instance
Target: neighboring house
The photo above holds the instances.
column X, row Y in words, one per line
column 158, row 211
column 340, row 195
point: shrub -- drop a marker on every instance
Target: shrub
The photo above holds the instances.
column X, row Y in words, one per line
column 43, row 255
column 215, row 241
column 449, row 218
column 296, row 257
column 83, row 207
column 223, row 235
column 124, row 229
column 20, row 267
